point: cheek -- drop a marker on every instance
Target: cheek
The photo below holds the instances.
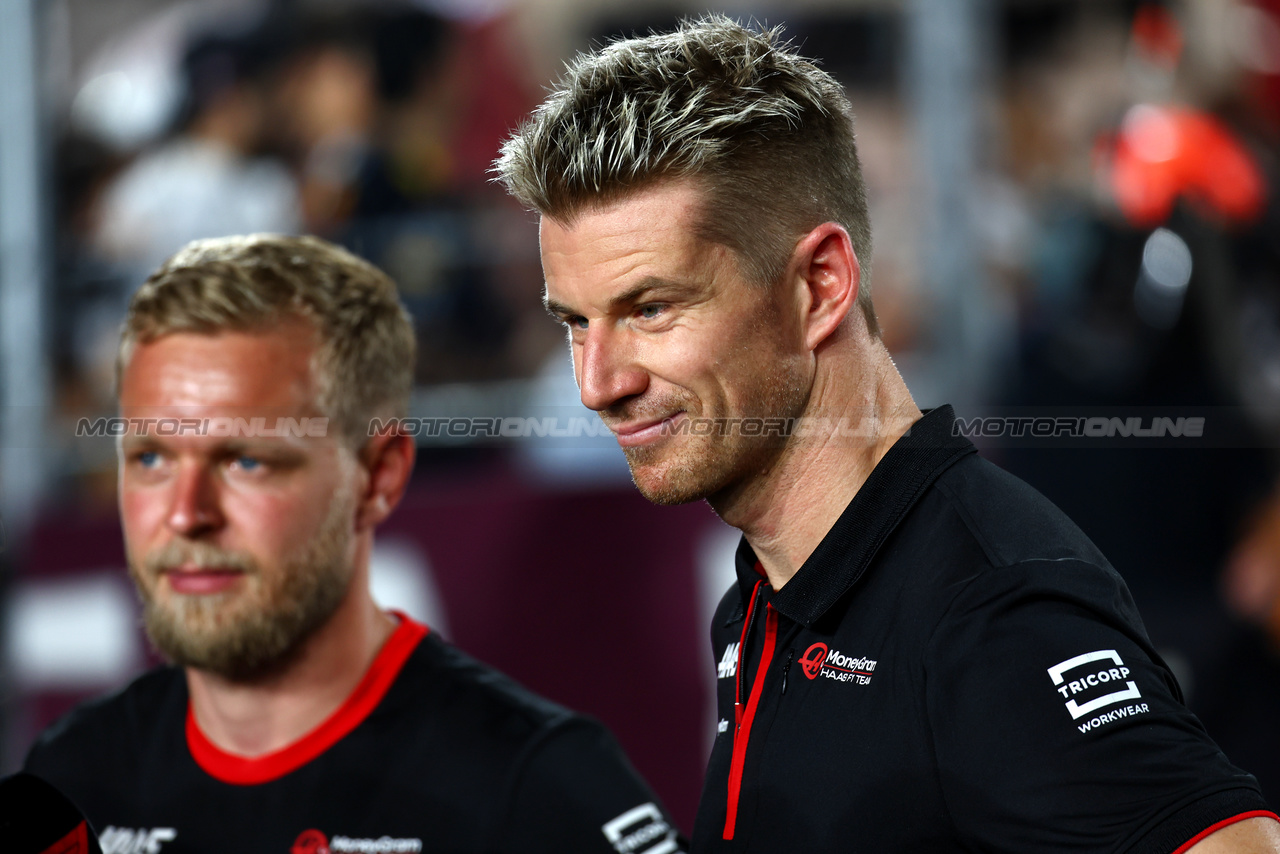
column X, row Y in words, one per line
column 688, row 359
column 275, row 526
column 142, row 512
column 755, row 376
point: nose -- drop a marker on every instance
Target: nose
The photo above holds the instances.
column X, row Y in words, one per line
column 194, row 505
column 607, row 370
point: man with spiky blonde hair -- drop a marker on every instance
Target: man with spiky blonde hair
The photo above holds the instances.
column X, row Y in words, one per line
column 921, row 653
column 633, row 114
column 301, row 716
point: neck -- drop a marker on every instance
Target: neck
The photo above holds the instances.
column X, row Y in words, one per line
column 259, row 717
column 785, row 512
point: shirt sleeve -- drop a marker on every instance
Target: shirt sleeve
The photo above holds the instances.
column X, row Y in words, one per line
column 1058, row 728
column 53, row 758
column 577, row 792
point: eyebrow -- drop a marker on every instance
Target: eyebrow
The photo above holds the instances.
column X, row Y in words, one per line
column 630, row 295
column 227, row 445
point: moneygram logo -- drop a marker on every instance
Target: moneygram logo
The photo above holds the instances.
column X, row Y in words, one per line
column 821, row 660
column 314, row 842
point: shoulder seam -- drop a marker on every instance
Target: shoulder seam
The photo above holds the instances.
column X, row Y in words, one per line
column 989, row 550
column 495, row 686
column 994, row 559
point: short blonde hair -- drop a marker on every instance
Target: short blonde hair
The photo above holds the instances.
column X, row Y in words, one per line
column 365, row 356
column 767, row 133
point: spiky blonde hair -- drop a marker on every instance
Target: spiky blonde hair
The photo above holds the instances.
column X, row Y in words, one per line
column 767, row 133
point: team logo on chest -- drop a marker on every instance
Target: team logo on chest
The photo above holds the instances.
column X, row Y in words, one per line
column 310, row 842
column 128, row 840
column 728, row 665
column 821, row 660
column 314, row 842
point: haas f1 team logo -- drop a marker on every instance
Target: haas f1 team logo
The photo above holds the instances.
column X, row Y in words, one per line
column 811, row 661
column 821, row 660
column 310, row 842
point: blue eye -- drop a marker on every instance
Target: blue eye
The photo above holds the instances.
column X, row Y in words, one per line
column 578, row 322
column 649, row 312
column 248, row 463
column 148, row 459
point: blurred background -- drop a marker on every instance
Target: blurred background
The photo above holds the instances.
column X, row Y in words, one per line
column 1074, row 209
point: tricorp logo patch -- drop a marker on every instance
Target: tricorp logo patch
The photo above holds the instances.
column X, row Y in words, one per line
column 1094, row 681
column 642, row 830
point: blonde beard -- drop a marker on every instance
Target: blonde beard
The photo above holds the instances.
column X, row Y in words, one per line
column 256, row 631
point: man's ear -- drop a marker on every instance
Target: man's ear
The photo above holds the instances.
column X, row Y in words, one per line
column 388, row 459
column 826, row 269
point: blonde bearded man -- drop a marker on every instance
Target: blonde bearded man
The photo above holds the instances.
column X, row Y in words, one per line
column 298, row 715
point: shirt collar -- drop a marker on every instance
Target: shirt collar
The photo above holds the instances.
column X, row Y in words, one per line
column 928, row 448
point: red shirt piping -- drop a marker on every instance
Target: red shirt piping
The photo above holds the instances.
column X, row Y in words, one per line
column 1214, row 828
column 377, row 680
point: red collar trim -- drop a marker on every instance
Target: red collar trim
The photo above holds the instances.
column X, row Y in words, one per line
column 249, row 771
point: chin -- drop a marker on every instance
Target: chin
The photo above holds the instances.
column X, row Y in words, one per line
column 704, row 470
column 667, row 497
column 671, row 484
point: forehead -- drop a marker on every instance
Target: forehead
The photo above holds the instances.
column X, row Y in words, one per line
column 653, row 232
column 270, row 370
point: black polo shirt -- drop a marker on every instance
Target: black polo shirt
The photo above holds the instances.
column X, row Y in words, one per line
column 955, row 667
column 433, row 753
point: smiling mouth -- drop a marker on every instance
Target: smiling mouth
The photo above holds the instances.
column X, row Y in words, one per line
column 646, row 432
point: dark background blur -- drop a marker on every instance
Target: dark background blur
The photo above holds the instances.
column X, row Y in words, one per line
column 1074, row 214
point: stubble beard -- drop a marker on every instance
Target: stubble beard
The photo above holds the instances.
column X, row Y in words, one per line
column 251, row 633
column 689, row 467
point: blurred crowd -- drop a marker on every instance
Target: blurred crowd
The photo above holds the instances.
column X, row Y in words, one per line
column 1126, row 211
column 370, row 124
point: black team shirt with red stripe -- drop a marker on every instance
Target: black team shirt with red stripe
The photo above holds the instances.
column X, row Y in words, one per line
column 433, row 752
column 955, row 668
